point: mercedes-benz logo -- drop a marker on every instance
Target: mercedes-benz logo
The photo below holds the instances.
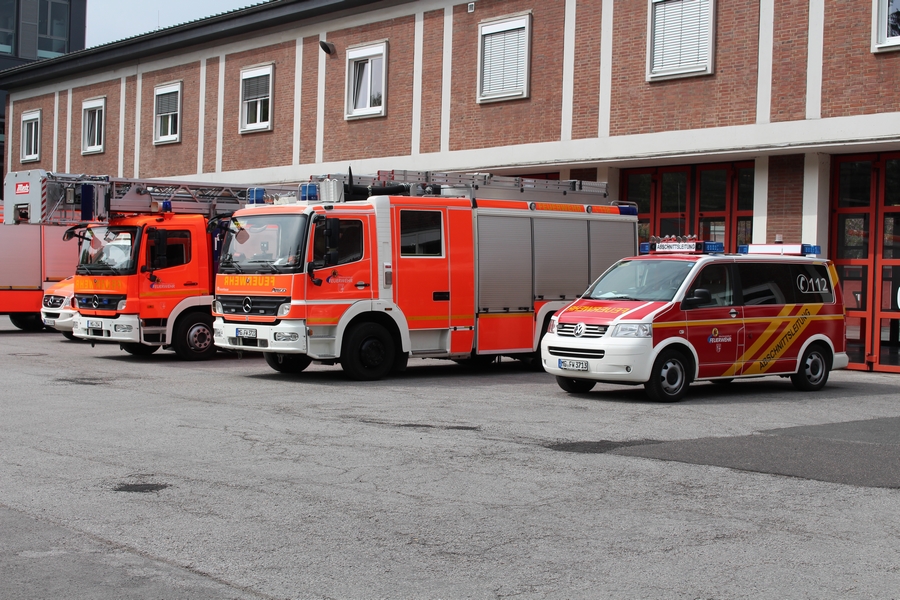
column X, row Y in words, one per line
column 95, row 301
column 247, row 305
column 579, row 330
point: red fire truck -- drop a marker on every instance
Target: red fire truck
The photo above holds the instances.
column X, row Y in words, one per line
column 145, row 261
column 34, row 258
column 368, row 274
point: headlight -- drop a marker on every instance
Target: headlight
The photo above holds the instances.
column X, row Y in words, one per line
column 123, row 328
column 121, row 304
column 70, row 302
column 551, row 328
column 217, row 307
column 633, row 330
column 286, row 337
column 284, row 309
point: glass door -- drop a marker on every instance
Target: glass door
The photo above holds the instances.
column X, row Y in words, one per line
column 887, row 281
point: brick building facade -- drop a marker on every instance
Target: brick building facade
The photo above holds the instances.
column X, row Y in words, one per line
column 731, row 120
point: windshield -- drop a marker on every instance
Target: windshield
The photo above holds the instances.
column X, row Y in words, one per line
column 263, row 244
column 643, row 280
column 107, row 251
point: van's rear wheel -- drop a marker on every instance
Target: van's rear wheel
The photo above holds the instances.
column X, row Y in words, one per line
column 575, row 386
column 669, row 378
column 193, row 337
column 287, row 363
column 368, row 352
column 814, row 368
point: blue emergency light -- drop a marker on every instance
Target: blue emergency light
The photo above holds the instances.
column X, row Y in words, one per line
column 256, row 195
column 682, row 247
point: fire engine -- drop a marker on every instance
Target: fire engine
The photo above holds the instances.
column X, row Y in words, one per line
column 367, row 272
column 34, row 258
column 685, row 312
column 145, row 261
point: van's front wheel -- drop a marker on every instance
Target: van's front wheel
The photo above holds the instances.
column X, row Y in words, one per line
column 814, row 368
column 669, row 378
column 575, row 386
column 287, row 363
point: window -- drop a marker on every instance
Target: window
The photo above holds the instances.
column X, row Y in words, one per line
column 167, row 100
column 503, row 59
column 177, row 247
column 92, row 112
column 350, row 243
column 681, row 38
column 31, row 136
column 421, row 233
column 53, row 28
column 7, row 26
column 887, row 24
column 256, row 99
column 716, row 279
column 366, row 81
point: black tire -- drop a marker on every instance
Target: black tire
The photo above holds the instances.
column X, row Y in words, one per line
column 193, row 337
column 477, row 361
column 725, row 381
column 139, row 349
column 287, row 363
column 814, row 368
column 670, row 377
column 368, row 352
column 575, row 386
column 69, row 335
column 401, row 362
column 31, row 322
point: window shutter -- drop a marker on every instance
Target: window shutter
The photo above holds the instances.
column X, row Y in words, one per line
column 167, row 103
column 256, row 87
column 681, row 34
column 503, row 66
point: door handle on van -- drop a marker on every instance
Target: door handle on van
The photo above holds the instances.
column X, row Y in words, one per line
column 733, row 313
column 362, row 285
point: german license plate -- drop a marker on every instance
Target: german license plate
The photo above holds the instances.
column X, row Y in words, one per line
column 573, row 365
column 50, row 322
column 245, row 333
column 95, row 324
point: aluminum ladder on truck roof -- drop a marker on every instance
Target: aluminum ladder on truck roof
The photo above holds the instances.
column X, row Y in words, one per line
column 42, row 197
column 473, row 185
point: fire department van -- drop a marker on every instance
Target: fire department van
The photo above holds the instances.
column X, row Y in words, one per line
column 58, row 308
column 687, row 312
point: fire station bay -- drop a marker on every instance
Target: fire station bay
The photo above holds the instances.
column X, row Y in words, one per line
column 739, row 122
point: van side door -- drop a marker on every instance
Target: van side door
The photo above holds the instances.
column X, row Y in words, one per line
column 716, row 328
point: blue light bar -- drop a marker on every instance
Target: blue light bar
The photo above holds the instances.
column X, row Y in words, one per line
column 167, row 206
column 309, row 192
column 712, row 247
column 811, row 249
column 645, row 248
column 256, row 195
column 628, row 210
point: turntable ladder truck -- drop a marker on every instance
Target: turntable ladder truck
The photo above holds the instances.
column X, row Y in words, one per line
column 145, row 262
column 371, row 271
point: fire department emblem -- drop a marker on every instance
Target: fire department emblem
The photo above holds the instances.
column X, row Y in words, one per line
column 579, row 330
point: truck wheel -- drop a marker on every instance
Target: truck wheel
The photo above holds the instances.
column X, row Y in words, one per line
column 368, row 352
column 69, row 335
column 27, row 321
column 669, row 378
column 575, row 386
column 287, row 363
column 139, row 349
column 193, row 337
column 814, row 367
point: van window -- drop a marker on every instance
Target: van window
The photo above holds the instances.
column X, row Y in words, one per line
column 717, row 280
column 813, row 284
column 766, row 283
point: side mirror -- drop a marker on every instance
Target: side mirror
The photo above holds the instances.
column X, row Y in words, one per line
column 331, row 258
column 157, row 240
column 332, row 233
column 701, row 296
column 311, row 271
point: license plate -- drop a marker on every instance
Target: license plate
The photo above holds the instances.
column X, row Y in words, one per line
column 95, row 324
column 573, row 365
column 246, row 333
column 50, row 322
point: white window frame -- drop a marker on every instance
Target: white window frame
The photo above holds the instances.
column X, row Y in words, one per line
column 95, row 105
column 168, row 138
column 246, row 105
column 357, row 55
column 881, row 42
column 29, row 119
column 501, row 25
column 703, row 66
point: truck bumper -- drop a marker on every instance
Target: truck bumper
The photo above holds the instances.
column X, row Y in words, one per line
column 125, row 329
column 59, row 319
column 287, row 337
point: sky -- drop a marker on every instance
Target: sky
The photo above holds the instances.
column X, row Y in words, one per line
column 111, row 20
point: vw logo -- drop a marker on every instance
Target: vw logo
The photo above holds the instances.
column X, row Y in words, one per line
column 95, row 301
column 247, row 305
column 579, row 330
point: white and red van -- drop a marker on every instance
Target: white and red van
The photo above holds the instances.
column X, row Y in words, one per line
column 687, row 312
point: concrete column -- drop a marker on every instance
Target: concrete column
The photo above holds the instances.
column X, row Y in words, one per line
column 816, row 192
column 760, row 199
